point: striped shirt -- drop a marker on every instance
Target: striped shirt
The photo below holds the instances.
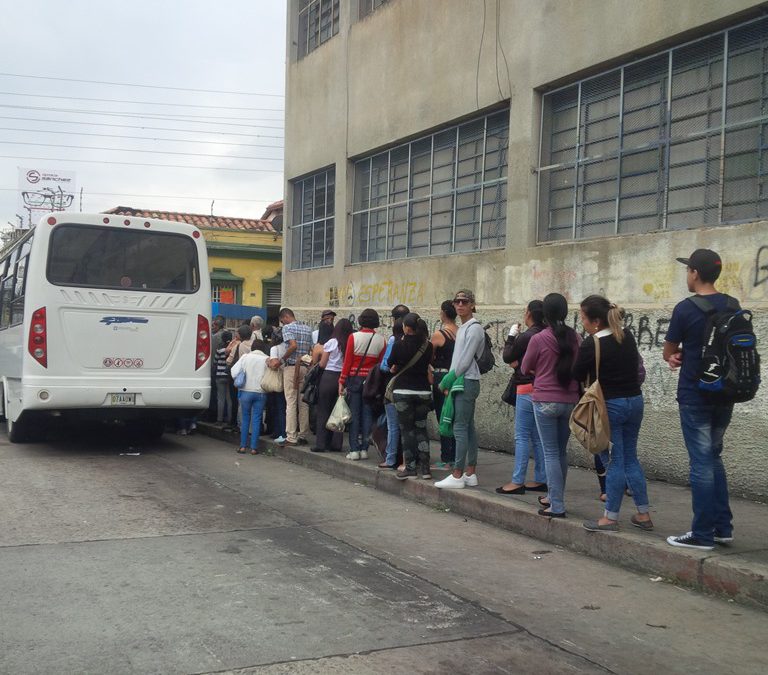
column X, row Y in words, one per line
column 303, row 336
column 221, row 363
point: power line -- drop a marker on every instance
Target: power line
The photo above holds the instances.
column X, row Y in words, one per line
column 154, row 152
column 133, row 126
column 128, row 194
column 155, row 116
column 165, row 166
column 113, row 100
column 140, row 138
column 143, row 86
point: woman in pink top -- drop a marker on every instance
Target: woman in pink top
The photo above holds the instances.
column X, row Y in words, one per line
column 550, row 357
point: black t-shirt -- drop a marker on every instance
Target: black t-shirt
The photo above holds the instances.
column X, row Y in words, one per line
column 416, row 378
column 620, row 365
column 514, row 350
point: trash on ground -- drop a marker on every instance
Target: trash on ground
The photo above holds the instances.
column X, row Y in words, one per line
column 655, row 579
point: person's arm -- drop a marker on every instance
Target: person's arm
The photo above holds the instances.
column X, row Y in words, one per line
column 349, row 357
column 672, row 353
column 292, row 347
column 473, row 338
column 237, row 368
column 584, row 363
column 528, row 365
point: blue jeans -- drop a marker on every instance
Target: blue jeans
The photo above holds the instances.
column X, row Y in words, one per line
column 552, row 423
column 252, row 407
column 703, row 430
column 625, row 416
column 393, row 433
column 464, row 424
column 362, row 416
column 526, row 434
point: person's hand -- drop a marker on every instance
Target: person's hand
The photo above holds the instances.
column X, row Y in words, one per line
column 515, row 330
column 446, row 392
column 273, row 364
column 341, row 390
column 675, row 361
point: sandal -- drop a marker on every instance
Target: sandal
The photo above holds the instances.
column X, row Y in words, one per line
column 254, row 451
column 241, row 451
column 543, row 502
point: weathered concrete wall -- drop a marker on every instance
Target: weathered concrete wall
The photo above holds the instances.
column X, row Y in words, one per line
column 411, row 67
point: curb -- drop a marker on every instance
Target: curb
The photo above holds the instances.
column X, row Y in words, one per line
column 704, row 572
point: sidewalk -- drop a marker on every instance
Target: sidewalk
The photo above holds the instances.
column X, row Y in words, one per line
column 739, row 571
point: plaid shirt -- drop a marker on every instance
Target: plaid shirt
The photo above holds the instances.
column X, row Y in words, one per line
column 303, row 336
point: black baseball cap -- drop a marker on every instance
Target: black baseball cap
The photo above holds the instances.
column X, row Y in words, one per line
column 327, row 312
column 707, row 263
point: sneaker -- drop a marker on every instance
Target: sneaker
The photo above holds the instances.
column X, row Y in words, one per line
column 182, row 432
column 450, row 482
column 595, row 526
column 470, row 481
column 407, row 473
column 723, row 540
column 363, row 454
column 687, row 540
column 353, row 455
column 280, row 440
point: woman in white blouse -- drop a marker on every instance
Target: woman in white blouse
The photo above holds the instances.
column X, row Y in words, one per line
column 251, row 395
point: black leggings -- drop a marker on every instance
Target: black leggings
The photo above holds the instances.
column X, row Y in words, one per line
column 328, row 392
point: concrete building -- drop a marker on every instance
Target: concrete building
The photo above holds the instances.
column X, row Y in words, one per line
column 519, row 147
column 244, row 259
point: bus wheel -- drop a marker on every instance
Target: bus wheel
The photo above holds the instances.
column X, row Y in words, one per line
column 17, row 431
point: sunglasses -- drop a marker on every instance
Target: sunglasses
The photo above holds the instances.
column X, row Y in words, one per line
column 461, row 301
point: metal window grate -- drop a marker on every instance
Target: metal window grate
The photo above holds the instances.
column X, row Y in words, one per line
column 674, row 141
column 443, row 193
column 318, row 23
column 311, row 234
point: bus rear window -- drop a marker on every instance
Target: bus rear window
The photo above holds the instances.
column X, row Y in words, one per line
column 105, row 257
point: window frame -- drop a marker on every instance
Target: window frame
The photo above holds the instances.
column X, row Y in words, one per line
column 310, row 26
column 301, row 225
column 682, row 128
column 435, row 194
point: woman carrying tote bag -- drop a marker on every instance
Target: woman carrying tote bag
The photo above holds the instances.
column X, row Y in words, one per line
column 621, row 374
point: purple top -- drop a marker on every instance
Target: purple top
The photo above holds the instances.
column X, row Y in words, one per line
column 541, row 360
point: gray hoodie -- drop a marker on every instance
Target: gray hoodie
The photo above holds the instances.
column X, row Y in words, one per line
column 470, row 341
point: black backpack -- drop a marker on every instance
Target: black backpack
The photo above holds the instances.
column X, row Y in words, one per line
column 486, row 361
column 730, row 364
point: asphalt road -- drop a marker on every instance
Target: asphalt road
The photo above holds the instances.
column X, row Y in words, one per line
column 188, row 558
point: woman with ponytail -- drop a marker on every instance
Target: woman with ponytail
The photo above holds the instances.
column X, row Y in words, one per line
column 621, row 374
column 549, row 359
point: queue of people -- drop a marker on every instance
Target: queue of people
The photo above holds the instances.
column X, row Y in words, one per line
column 551, row 366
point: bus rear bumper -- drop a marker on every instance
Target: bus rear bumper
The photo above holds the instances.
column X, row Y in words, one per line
column 111, row 399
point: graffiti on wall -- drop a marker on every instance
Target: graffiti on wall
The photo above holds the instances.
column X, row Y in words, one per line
column 761, row 266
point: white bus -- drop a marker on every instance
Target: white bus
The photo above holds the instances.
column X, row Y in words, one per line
column 104, row 317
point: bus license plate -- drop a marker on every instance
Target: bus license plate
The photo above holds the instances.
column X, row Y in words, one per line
column 122, row 399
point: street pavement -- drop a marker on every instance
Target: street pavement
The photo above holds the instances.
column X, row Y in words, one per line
column 184, row 557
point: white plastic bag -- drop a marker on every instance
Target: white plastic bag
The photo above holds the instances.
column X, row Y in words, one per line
column 340, row 416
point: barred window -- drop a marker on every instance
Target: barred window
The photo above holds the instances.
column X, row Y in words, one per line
column 443, row 193
column 367, row 7
column 313, row 219
column 659, row 143
column 318, row 23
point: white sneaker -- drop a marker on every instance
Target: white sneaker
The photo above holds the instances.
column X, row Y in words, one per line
column 450, row 482
column 470, row 481
column 353, row 455
column 363, row 454
column 280, row 440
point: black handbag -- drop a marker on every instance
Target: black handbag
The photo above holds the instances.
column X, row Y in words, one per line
column 310, row 390
column 374, row 386
column 510, row 393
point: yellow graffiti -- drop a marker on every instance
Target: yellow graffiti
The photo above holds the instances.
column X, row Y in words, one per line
column 386, row 292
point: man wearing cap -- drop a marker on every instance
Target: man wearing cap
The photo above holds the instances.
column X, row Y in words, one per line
column 328, row 316
column 703, row 423
column 463, row 383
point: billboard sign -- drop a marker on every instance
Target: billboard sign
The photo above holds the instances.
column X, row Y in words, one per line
column 44, row 190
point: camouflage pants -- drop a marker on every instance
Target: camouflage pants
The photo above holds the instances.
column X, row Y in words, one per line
column 412, row 411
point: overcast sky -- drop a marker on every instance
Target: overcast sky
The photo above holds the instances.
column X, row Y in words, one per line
column 227, row 45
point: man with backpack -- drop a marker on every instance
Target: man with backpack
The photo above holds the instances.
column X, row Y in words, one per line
column 711, row 340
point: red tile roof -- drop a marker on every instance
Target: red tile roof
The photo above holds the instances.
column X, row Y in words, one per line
column 198, row 219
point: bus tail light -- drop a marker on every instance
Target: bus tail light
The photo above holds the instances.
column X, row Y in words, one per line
column 203, row 346
column 38, row 337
